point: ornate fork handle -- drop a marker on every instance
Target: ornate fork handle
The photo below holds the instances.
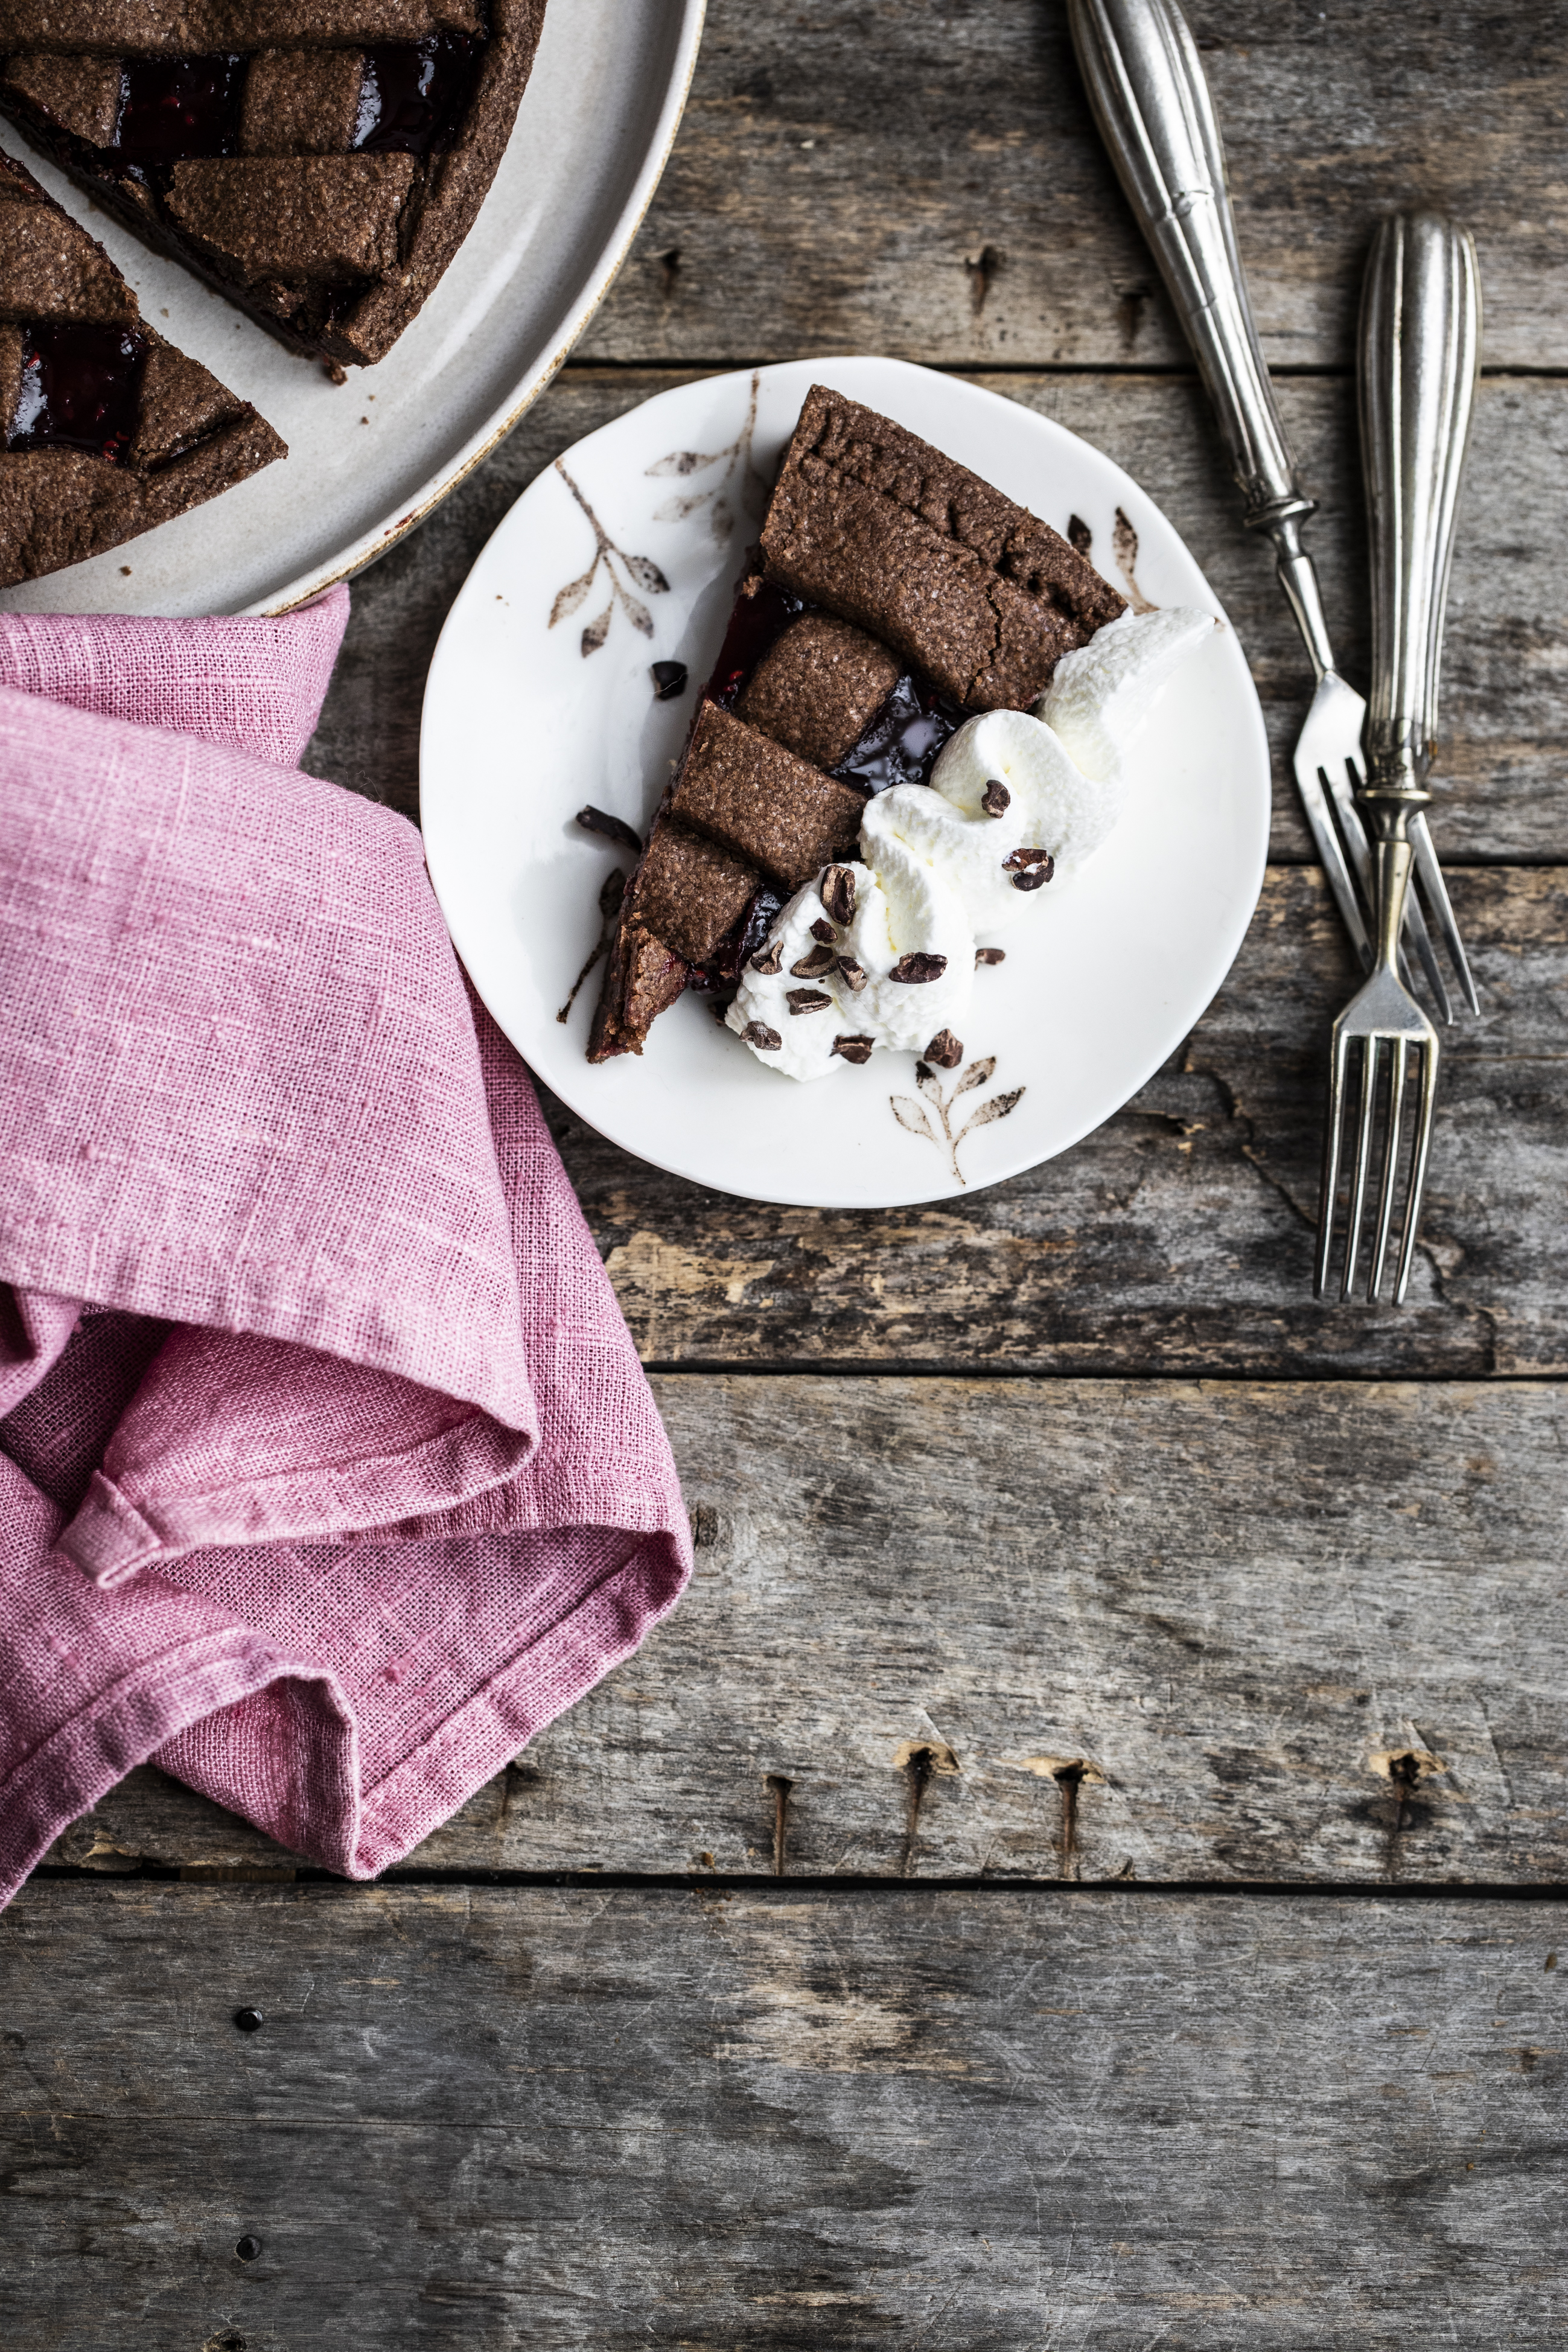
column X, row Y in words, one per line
column 1420, row 349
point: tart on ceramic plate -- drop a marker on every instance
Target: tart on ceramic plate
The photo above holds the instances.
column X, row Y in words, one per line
column 925, row 659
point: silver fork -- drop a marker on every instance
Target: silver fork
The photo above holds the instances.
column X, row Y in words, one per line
column 1419, row 353
column 1151, row 99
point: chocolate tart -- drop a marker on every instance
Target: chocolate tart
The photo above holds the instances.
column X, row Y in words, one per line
column 319, row 162
column 108, row 429
column 896, row 595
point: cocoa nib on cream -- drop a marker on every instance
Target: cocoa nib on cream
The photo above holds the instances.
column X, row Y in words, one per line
column 1016, row 798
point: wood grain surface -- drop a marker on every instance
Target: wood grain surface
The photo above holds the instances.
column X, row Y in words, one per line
column 926, row 180
column 1093, row 1629
column 1053, row 1548
column 497, row 2117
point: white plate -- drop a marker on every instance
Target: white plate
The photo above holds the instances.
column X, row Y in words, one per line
column 521, row 728
column 597, row 123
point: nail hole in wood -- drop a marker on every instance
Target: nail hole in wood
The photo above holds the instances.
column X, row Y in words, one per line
column 781, row 1787
column 248, row 2249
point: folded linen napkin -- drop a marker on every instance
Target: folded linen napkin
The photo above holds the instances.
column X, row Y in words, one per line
column 328, row 1471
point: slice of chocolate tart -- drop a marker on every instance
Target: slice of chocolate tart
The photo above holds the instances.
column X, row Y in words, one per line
column 107, row 428
column 896, row 594
column 319, row 162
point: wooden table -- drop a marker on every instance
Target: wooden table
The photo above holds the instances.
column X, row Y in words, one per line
column 1085, row 1863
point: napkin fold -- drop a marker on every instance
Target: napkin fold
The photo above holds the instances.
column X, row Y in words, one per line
column 328, row 1472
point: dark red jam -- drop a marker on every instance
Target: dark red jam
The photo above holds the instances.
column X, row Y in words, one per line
column 174, row 108
column 755, row 622
column 721, row 975
column 81, row 389
column 415, row 94
column 900, row 745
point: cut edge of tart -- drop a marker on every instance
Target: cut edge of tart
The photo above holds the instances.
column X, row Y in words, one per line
column 896, row 595
column 108, row 429
column 318, row 164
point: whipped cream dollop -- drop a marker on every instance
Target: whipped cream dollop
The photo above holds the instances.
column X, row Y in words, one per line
column 882, row 951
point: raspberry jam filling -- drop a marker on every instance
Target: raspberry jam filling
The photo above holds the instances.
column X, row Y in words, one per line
column 81, row 389
column 414, row 93
column 721, row 975
column 173, row 108
column 901, row 743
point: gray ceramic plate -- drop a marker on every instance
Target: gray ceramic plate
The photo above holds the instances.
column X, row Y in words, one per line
column 367, row 459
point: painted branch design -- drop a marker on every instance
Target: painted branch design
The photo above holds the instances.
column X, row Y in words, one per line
column 641, row 572
column 750, row 491
column 917, row 1118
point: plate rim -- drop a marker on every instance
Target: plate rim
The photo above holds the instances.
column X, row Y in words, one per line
column 382, row 537
column 937, row 1192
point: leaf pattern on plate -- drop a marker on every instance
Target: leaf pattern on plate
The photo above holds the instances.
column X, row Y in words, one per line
column 750, row 489
column 640, row 571
column 917, row 1119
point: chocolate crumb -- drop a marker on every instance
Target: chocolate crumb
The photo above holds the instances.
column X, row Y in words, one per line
column 989, row 955
column 669, row 680
column 336, row 371
column 813, row 966
column 806, row 1000
column 765, row 1040
column 914, row 968
column 945, row 1050
column 854, row 1049
column 837, row 895
column 851, row 974
column 995, row 799
column 770, row 961
column 614, row 828
column 822, row 929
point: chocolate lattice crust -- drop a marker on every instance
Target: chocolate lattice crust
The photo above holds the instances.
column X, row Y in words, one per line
column 318, row 161
column 107, row 428
column 875, row 525
column 898, row 593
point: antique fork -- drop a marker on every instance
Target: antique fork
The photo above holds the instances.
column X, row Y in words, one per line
column 1146, row 85
column 1419, row 351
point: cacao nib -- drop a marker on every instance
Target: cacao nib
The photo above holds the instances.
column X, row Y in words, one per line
column 945, row 1050
column 614, row 828
column 1034, row 879
column 995, row 799
column 854, row 1049
column 806, row 1000
column 770, row 963
column 765, row 1040
column 813, row 966
column 989, row 955
column 851, row 974
column 837, row 895
column 668, row 681
column 824, row 930
column 914, row 968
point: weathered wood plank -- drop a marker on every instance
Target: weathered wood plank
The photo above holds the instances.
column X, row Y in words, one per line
column 917, row 1601
column 928, row 181
column 1505, row 688
column 1179, row 1237
column 477, row 2117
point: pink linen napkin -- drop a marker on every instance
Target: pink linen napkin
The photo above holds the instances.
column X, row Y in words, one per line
column 328, row 1472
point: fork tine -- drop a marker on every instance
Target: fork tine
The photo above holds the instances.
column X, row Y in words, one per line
column 1418, row 1169
column 1362, row 1156
column 1329, row 1195
column 1390, row 1167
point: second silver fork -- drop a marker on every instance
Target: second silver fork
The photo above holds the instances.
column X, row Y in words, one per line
column 1419, row 353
